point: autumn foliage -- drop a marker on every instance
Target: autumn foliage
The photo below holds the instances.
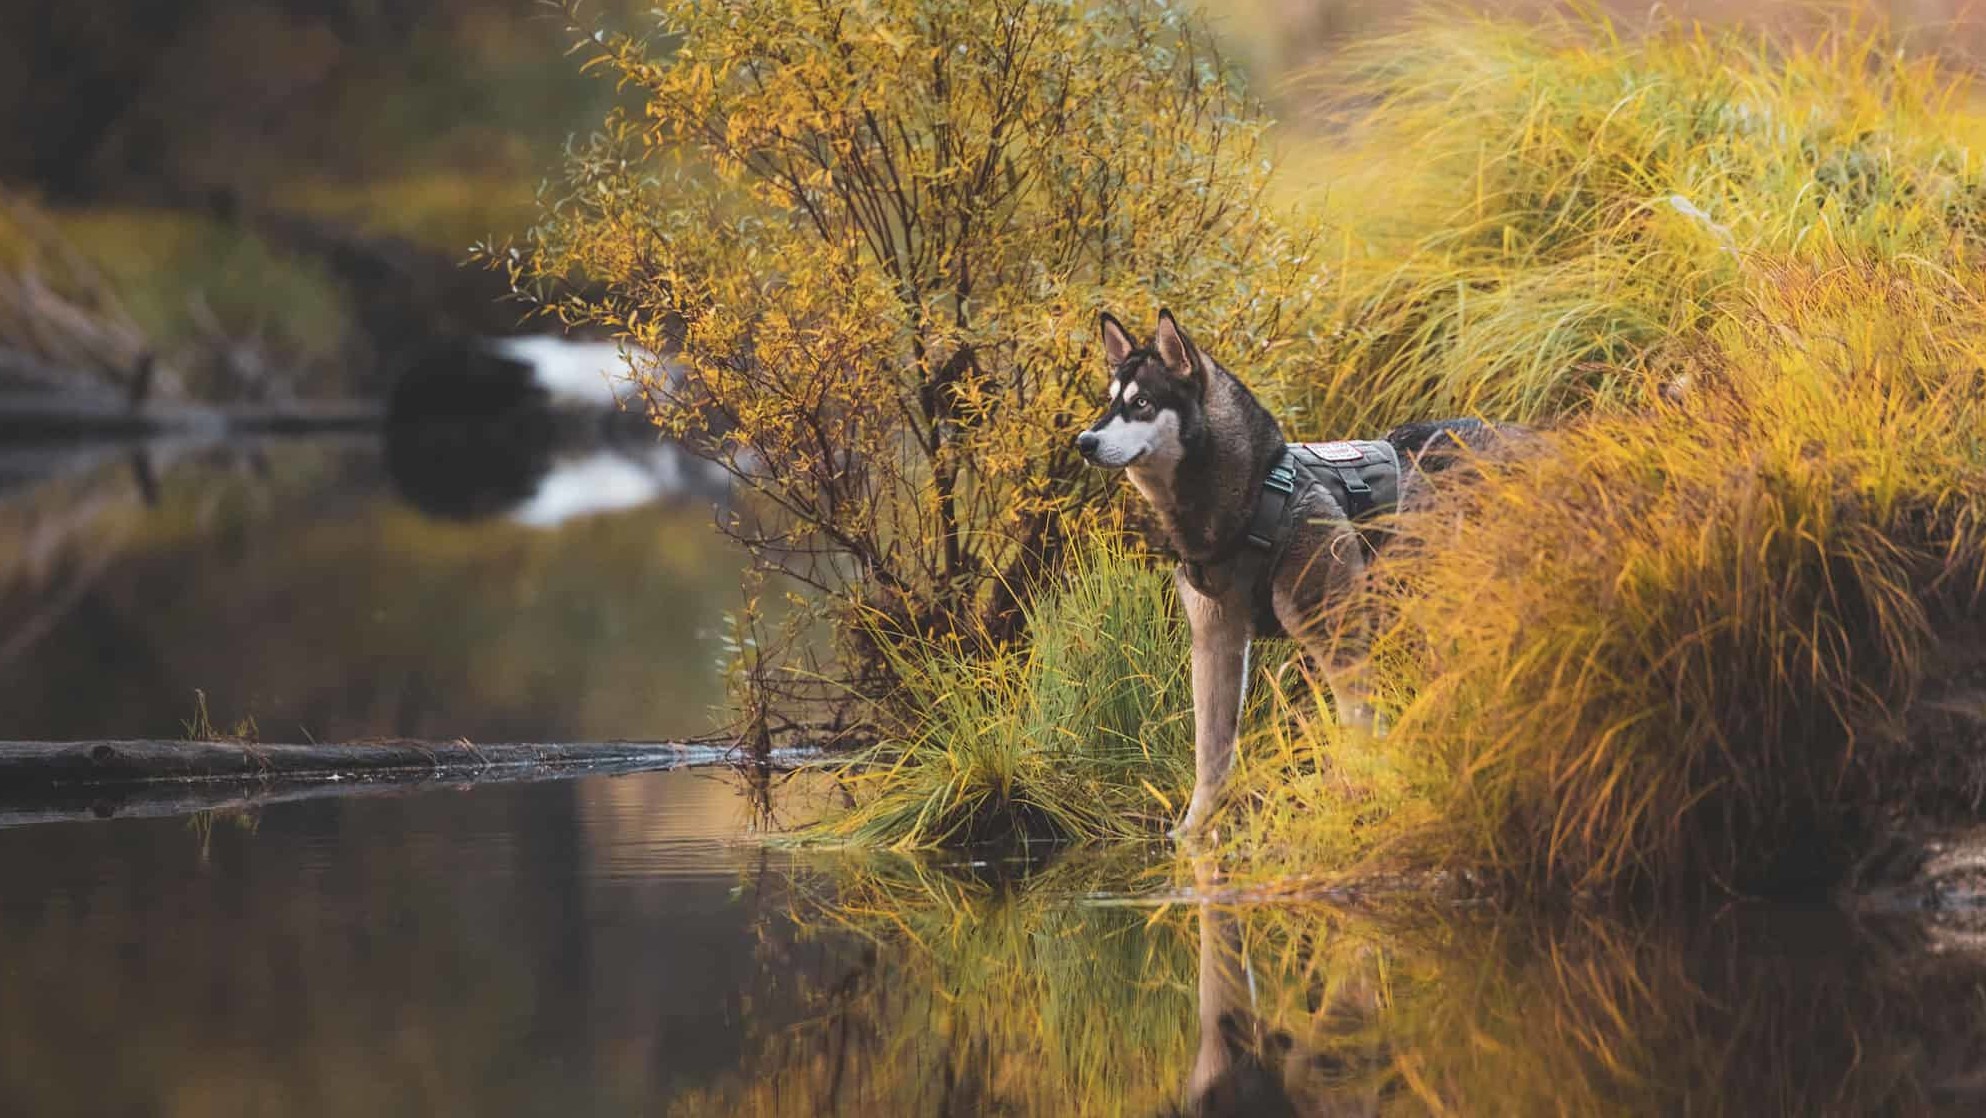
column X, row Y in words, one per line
column 878, row 235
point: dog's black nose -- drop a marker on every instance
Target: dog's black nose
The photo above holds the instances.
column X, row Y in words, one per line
column 1086, row 443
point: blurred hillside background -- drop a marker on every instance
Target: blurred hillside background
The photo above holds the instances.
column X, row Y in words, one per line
column 270, row 196
column 269, row 175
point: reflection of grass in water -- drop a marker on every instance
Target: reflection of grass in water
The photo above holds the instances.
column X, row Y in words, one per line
column 388, row 620
column 193, row 285
column 1772, row 1011
column 1021, row 998
column 979, row 997
column 201, row 823
column 1093, row 1001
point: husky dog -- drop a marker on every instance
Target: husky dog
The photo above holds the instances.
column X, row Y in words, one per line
column 1200, row 448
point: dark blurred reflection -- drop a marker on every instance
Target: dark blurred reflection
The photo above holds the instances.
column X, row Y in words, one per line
column 580, row 948
column 609, row 946
column 534, row 430
column 516, row 555
column 293, row 583
column 1750, row 1011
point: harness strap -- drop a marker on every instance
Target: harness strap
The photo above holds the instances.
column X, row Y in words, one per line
column 1268, row 535
column 1356, row 489
column 1278, row 490
column 1251, row 565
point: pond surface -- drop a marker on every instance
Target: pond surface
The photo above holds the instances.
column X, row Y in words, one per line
column 622, row 945
column 296, row 585
column 631, row 945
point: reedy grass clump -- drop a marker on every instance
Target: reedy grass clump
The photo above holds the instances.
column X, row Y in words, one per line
column 1532, row 219
column 1084, row 732
column 1680, row 648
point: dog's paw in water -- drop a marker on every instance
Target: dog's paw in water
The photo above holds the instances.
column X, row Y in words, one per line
column 1192, row 830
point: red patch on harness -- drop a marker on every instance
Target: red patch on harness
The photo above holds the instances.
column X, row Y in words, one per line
column 1338, row 452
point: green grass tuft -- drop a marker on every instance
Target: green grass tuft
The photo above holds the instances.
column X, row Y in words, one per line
column 1086, row 732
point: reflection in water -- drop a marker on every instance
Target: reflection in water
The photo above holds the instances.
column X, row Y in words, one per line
column 539, row 430
column 615, row 480
column 1245, row 1064
column 303, row 592
column 575, row 374
column 1032, row 1000
column 526, row 950
column 975, row 996
column 609, row 946
column 516, row 571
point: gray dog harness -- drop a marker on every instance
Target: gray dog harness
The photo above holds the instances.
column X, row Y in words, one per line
column 1362, row 477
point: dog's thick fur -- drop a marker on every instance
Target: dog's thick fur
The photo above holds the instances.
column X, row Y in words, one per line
column 1197, row 444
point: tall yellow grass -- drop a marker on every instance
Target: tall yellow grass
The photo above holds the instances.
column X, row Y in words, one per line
column 1673, row 644
column 1683, row 646
column 1532, row 218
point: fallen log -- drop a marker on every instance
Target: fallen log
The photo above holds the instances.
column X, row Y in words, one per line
column 37, row 766
column 165, row 798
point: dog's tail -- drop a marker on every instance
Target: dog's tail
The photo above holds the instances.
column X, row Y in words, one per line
column 1434, row 443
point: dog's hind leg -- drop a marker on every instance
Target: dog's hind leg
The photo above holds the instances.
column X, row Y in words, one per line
column 1345, row 673
column 1351, row 700
column 1220, row 682
column 1305, row 601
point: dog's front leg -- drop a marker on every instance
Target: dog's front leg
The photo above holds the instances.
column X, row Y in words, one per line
column 1220, row 681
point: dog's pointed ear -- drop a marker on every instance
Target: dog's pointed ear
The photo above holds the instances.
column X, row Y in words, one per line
column 1176, row 350
column 1117, row 343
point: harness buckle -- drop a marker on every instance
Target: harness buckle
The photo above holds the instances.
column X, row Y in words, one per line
column 1282, row 479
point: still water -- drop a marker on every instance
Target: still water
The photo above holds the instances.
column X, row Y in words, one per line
column 631, row 945
column 308, row 586
column 624, row 946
